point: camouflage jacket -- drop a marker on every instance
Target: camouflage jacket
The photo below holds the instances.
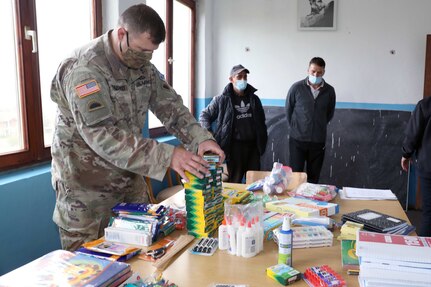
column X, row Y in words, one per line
column 102, row 108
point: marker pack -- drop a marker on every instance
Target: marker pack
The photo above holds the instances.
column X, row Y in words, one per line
column 205, row 246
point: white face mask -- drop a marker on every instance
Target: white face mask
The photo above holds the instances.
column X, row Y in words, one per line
column 315, row 80
column 241, row 85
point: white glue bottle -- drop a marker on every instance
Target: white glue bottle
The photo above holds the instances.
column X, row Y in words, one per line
column 259, row 233
column 239, row 235
column 223, row 240
column 249, row 248
column 231, row 234
column 285, row 243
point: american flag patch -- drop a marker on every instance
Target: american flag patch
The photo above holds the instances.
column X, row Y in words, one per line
column 87, row 88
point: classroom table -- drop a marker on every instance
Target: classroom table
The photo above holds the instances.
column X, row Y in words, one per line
column 189, row 270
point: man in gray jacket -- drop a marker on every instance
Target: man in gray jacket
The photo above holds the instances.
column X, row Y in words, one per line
column 310, row 105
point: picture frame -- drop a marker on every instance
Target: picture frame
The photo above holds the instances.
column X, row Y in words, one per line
column 317, row 14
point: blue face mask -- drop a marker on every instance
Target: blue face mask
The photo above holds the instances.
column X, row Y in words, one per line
column 314, row 80
column 241, row 85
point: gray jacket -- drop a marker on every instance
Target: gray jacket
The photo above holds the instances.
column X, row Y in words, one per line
column 308, row 117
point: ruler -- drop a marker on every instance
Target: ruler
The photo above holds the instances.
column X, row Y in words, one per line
column 179, row 244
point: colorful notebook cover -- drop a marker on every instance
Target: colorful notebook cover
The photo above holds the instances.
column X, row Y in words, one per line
column 349, row 260
column 64, row 268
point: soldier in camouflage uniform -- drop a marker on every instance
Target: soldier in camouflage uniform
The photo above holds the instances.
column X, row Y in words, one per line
column 99, row 156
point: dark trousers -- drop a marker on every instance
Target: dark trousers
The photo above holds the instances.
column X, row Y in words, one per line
column 309, row 155
column 243, row 156
column 425, row 228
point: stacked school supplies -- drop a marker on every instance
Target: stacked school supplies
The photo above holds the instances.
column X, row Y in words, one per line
column 309, row 236
column 273, row 220
column 138, row 223
column 109, row 250
column 283, row 274
column 323, row 276
column 204, row 200
column 64, row 268
column 303, row 207
column 321, row 192
column 379, row 222
column 393, row 260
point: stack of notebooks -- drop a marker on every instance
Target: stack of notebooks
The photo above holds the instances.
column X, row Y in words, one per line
column 204, row 200
column 110, row 250
column 393, row 260
column 64, row 268
column 303, row 207
column 379, row 222
column 138, row 223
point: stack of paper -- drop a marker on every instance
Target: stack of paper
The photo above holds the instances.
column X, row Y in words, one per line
column 393, row 260
column 353, row 193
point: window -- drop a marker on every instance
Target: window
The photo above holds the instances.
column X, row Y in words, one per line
column 35, row 43
column 175, row 57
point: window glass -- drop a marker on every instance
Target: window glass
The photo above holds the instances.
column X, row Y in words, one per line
column 159, row 56
column 55, row 43
column 182, row 51
column 11, row 131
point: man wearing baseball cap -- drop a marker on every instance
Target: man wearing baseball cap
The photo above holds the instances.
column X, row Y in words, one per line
column 240, row 124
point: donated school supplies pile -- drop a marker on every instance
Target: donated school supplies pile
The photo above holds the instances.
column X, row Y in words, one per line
column 204, row 200
column 64, row 268
column 138, row 223
column 393, row 260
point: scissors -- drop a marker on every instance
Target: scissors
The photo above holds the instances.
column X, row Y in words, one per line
column 159, row 252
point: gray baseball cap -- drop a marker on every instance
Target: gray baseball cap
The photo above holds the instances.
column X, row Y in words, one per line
column 238, row 69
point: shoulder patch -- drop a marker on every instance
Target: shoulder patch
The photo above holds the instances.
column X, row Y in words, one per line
column 87, row 88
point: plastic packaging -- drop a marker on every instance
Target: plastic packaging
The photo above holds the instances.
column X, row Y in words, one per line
column 321, row 192
column 278, row 180
column 237, row 214
column 285, row 243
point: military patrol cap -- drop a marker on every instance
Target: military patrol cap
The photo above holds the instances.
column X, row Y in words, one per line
column 238, row 69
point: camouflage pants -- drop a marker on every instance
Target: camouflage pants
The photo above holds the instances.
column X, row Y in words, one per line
column 82, row 215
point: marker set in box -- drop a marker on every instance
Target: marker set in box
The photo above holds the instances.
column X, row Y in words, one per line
column 205, row 246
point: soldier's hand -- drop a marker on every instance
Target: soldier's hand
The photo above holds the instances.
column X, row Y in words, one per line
column 211, row 146
column 183, row 160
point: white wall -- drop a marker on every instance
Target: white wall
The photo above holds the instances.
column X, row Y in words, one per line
column 112, row 9
column 359, row 63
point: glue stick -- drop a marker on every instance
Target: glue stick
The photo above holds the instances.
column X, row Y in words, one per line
column 285, row 243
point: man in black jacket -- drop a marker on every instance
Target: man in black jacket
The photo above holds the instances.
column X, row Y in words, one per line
column 240, row 124
column 417, row 143
column 310, row 105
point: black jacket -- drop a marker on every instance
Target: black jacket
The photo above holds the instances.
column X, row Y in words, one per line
column 309, row 117
column 418, row 137
column 220, row 110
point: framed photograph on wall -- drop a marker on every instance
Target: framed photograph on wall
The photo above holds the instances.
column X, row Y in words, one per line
column 317, row 14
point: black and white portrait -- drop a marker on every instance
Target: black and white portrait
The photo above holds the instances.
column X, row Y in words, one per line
column 317, row 14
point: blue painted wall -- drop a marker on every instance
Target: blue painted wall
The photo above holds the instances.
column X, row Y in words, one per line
column 26, row 202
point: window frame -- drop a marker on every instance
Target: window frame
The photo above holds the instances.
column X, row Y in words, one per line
column 161, row 131
column 29, row 86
